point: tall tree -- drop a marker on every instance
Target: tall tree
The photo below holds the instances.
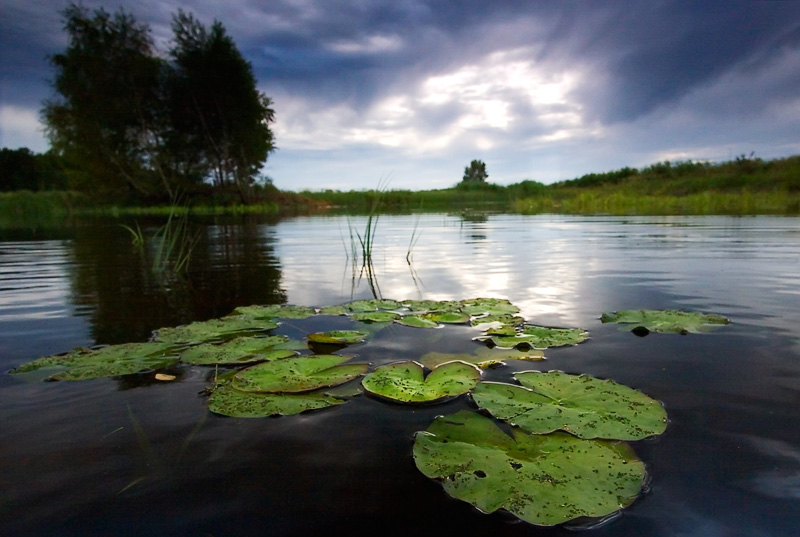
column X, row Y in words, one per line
column 218, row 113
column 105, row 116
column 475, row 172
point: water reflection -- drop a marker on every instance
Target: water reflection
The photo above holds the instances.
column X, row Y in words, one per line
column 116, row 286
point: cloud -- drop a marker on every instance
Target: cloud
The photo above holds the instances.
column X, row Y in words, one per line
column 20, row 127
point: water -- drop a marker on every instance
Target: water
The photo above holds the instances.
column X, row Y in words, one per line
column 133, row 456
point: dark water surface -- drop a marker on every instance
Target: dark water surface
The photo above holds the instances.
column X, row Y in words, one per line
column 132, row 456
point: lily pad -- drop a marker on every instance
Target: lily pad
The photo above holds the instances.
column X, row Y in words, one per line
column 371, row 305
column 483, row 357
column 579, row 404
column 110, row 361
column 338, row 337
column 681, row 322
column 496, row 320
column 541, row 479
column 425, row 306
column 538, row 337
column 229, row 401
column 478, row 306
column 333, row 310
column 241, row 350
column 215, row 329
column 447, row 317
column 295, row 375
column 417, row 321
column 406, row 382
column 284, row 311
column 376, row 316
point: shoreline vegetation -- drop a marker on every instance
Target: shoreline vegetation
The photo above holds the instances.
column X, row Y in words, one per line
column 744, row 186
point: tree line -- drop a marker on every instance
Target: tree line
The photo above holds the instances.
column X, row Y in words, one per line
column 128, row 120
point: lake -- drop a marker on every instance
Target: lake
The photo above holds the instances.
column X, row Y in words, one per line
column 134, row 456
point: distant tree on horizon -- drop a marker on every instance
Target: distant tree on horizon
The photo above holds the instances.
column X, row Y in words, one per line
column 475, row 172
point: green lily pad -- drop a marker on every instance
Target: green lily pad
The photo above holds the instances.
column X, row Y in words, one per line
column 111, row 361
column 417, row 321
column 538, row 337
column 284, row 311
column 681, row 322
column 478, row 306
column 426, row 306
column 376, row 316
column 371, row 305
column 229, row 401
column 300, row 374
column 483, row 357
column 406, row 382
column 215, row 329
column 447, row 317
column 541, row 479
column 496, row 320
column 338, row 337
column 579, row 404
column 333, row 310
column 240, row 350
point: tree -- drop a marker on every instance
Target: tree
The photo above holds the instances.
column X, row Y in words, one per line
column 104, row 119
column 475, row 172
column 218, row 114
column 125, row 119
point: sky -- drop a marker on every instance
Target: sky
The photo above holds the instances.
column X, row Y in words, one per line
column 406, row 93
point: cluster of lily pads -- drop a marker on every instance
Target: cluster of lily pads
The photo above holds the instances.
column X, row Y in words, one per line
column 567, row 456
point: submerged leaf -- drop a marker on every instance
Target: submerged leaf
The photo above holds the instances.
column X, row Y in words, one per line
column 229, row 401
column 406, row 382
column 542, row 479
column 301, row 374
column 681, row 322
column 240, row 350
column 110, row 361
column 579, row 404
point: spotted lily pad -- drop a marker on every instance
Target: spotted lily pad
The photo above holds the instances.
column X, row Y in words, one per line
column 284, row 311
column 425, row 306
column 338, row 337
column 496, row 320
column 479, row 306
column 240, row 350
column 541, row 479
column 371, row 305
column 295, row 375
column 229, row 401
column 110, row 361
column 483, row 357
column 215, row 329
column 538, row 337
column 406, row 382
column 681, row 322
column 579, row 404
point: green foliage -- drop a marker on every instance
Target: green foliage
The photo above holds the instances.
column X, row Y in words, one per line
column 229, row 401
column 297, row 374
column 406, row 381
column 114, row 360
column 578, row 404
column 681, row 322
column 21, row 169
column 475, row 172
column 541, row 479
column 131, row 124
column 240, row 350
